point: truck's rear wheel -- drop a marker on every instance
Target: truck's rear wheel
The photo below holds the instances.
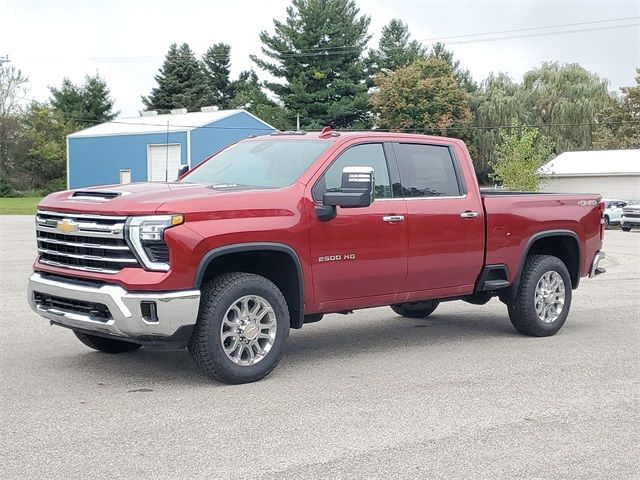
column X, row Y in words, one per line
column 416, row 309
column 241, row 330
column 544, row 297
column 106, row 345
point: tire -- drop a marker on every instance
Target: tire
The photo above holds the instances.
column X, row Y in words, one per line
column 606, row 222
column 626, row 229
column 416, row 309
column 106, row 345
column 222, row 313
column 523, row 313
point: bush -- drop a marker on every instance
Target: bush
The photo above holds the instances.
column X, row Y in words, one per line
column 55, row 185
column 6, row 189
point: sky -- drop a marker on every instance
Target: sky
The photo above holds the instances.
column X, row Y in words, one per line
column 125, row 40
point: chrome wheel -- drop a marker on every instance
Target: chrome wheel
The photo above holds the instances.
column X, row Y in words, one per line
column 549, row 297
column 248, row 330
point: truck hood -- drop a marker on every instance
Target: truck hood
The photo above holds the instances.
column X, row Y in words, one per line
column 147, row 198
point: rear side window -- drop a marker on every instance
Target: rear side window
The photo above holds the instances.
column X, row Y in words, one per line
column 367, row 155
column 427, row 171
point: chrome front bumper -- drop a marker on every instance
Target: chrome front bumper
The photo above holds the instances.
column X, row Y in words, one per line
column 595, row 268
column 173, row 310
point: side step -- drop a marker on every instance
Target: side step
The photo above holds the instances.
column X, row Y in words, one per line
column 495, row 285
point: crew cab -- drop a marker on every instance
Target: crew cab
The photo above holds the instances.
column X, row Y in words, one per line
column 275, row 231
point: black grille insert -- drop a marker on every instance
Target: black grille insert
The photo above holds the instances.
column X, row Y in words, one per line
column 96, row 311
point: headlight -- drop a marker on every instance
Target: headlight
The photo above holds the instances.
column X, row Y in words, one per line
column 146, row 235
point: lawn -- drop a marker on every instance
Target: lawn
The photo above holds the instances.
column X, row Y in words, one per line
column 19, row 205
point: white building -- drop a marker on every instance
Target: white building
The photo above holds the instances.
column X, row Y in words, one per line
column 611, row 173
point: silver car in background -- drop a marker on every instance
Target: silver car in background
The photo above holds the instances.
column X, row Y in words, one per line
column 630, row 216
column 613, row 211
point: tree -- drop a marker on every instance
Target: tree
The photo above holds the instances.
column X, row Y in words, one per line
column 462, row 75
column 316, row 54
column 250, row 96
column 566, row 97
column 217, row 67
column 45, row 130
column 519, row 155
column 13, row 86
column 395, row 48
column 423, row 96
column 84, row 105
column 181, row 82
column 496, row 102
column 620, row 120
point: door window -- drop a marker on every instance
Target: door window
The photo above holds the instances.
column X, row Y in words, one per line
column 427, row 171
column 368, row 155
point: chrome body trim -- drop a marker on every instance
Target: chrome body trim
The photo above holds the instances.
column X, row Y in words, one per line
column 174, row 309
column 87, row 257
column 75, row 267
column 85, row 245
column 82, row 215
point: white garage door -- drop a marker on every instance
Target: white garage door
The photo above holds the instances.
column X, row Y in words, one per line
column 163, row 162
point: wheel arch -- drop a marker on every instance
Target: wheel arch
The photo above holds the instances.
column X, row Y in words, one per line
column 564, row 244
column 276, row 261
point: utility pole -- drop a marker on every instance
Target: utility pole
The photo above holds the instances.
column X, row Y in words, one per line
column 4, row 59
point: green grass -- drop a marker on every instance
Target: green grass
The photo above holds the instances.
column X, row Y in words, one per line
column 19, row 205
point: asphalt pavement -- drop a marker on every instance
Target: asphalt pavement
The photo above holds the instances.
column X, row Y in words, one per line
column 369, row 395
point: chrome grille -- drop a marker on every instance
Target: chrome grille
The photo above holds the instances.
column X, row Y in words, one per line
column 83, row 242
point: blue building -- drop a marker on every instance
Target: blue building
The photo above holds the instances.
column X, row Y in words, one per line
column 152, row 147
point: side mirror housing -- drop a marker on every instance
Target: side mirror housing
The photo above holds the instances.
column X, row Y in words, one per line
column 184, row 168
column 356, row 191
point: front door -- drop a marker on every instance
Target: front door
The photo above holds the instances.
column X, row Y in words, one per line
column 362, row 252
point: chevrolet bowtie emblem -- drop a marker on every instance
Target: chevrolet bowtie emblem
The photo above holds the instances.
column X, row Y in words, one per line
column 67, row 226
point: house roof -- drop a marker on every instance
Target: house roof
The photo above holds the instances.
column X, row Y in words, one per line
column 593, row 163
column 158, row 124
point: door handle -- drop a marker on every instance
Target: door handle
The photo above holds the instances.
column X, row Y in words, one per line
column 469, row 214
column 393, row 218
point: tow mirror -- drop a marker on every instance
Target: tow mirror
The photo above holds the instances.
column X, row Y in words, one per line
column 356, row 190
column 184, row 168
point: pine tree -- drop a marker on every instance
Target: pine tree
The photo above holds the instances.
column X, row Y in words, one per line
column 317, row 55
column 248, row 94
column 462, row 75
column 84, row 105
column 217, row 68
column 395, row 49
column 182, row 82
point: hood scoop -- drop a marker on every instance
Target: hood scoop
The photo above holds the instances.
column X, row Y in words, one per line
column 95, row 195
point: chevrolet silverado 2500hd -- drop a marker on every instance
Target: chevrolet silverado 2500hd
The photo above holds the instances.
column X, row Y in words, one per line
column 275, row 231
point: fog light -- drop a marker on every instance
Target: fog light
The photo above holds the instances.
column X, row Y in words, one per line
column 149, row 311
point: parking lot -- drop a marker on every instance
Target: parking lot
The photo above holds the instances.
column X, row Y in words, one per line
column 369, row 395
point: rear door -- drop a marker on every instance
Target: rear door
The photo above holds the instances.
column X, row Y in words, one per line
column 362, row 252
column 444, row 219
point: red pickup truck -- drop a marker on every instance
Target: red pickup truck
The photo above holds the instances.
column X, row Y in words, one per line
column 275, row 231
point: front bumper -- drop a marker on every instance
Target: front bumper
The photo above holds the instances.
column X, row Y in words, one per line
column 596, row 269
column 110, row 310
column 630, row 222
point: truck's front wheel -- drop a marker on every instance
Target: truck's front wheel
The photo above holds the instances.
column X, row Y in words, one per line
column 544, row 297
column 241, row 329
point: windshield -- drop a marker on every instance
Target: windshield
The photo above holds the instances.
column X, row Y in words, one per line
column 259, row 163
